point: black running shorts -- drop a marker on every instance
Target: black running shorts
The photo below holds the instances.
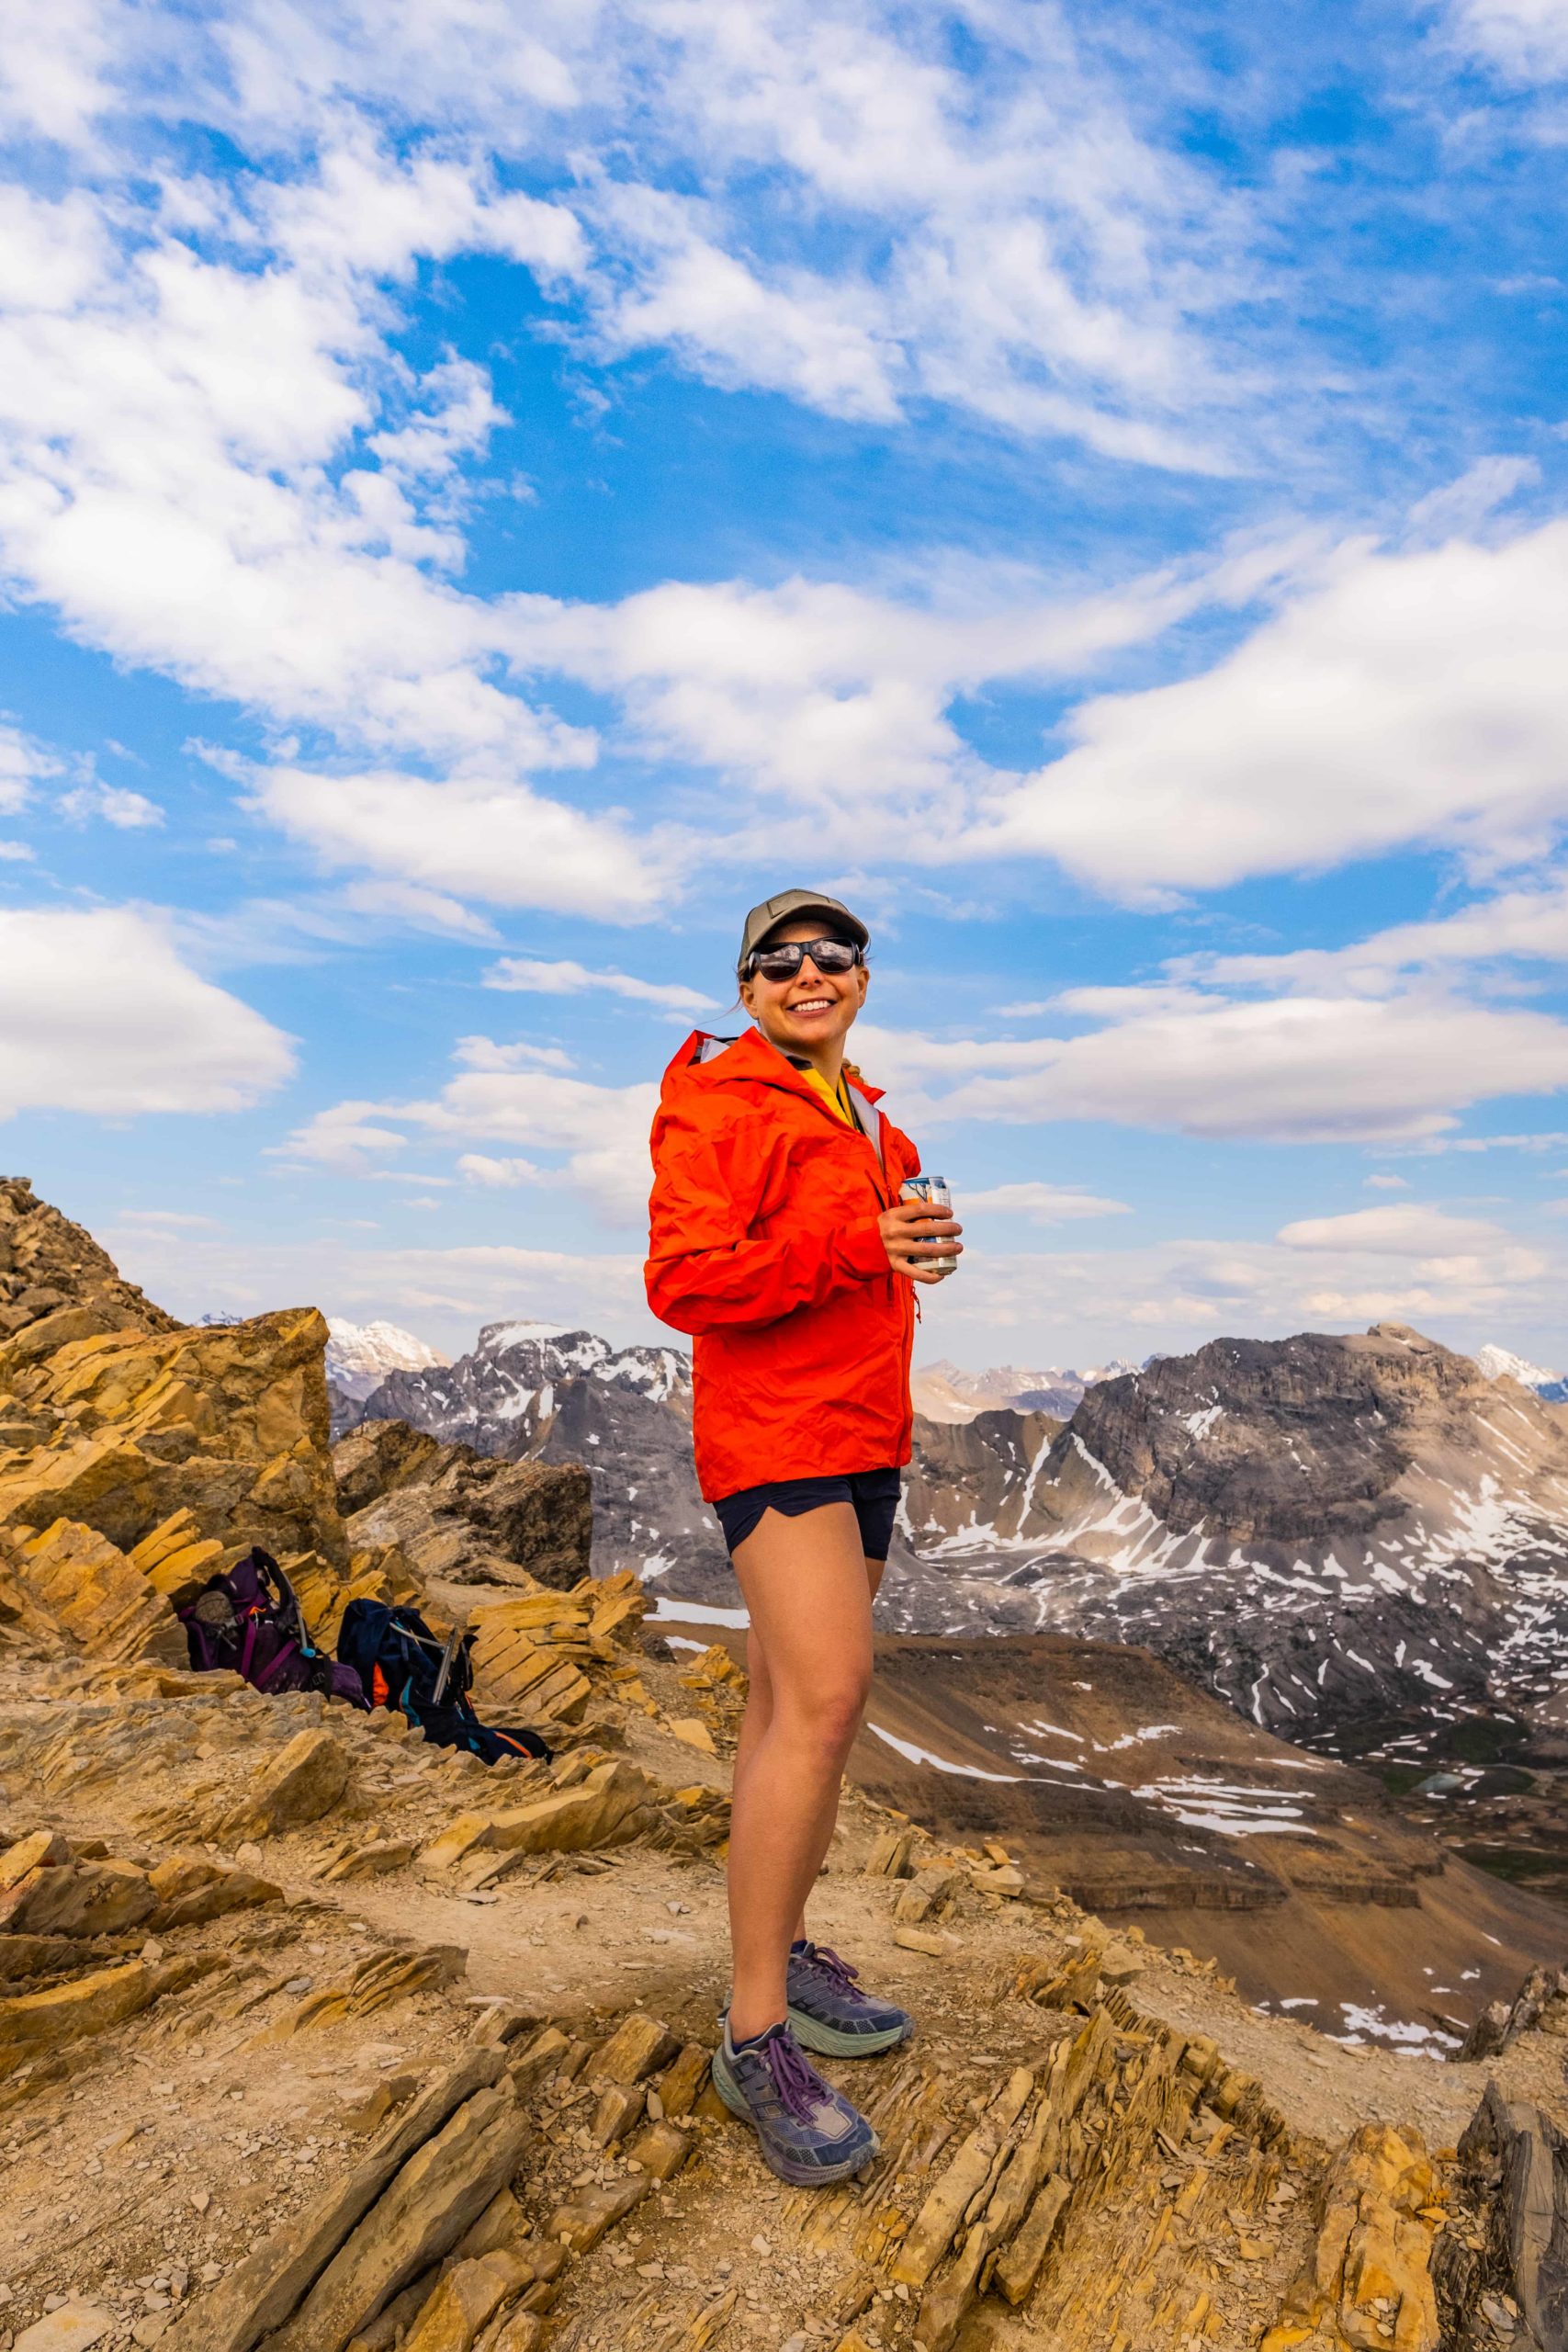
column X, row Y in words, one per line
column 872, row 1493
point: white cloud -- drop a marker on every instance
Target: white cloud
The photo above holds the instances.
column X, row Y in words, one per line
column 23, row 763
column 1006, row 242
column 1404, row 1230
column 598, row 1135
column 1522, row 925
column 1043, row 1203
column 1527, row 41
column 127, row 812
column 498, row 1174
column 99, row 1014
column 345, row 1137
column 528, row 974
column 1388, row 1183
column 1404, row 698
column 479, row 837
column 1297, row 1069
column 1173, row 1296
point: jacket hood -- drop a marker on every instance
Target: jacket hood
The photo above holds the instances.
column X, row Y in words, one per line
column 708, row 1061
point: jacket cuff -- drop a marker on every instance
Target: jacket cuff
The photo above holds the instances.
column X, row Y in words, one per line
column 863, row 1251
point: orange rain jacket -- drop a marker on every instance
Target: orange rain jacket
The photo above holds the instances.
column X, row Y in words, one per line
column 764, row 1246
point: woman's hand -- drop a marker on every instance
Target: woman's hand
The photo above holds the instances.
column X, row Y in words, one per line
column 913, row 1233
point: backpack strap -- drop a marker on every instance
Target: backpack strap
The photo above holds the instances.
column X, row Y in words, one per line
column 266, row 1672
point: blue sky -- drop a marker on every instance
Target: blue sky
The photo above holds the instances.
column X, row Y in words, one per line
column 486, row 492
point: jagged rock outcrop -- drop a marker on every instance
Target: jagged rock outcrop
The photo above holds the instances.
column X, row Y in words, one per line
column 1505, row 2278
column 463, row 1517
column 56, row 1283
column 140, row 1460
column 228, row 1422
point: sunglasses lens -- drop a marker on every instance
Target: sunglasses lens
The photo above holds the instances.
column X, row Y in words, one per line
column 783, row 963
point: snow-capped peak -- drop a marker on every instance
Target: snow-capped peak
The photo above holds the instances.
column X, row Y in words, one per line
column 360, row 1355
column 1496, row 1362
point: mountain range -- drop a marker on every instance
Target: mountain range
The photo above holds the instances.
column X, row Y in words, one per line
column 1356, row 1541
column 945, row 1393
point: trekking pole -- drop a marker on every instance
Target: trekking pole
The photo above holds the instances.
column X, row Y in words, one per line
column 454, row 1643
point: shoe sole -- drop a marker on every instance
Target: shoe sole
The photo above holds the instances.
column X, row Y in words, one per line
column 830, row 2042
column 797, row 2175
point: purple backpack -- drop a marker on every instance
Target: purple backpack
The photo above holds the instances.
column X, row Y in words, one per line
column 250, row 1621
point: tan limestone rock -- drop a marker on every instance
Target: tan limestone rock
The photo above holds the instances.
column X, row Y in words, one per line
column 607, row 1808
column 683, row 2083
column 466, row 2296
column 74, row 2326
column 518, row 2332
column 438, row 2194
column 934, row 1945
column 1368, row 2279
column 262, row 2290
column 228, row 1422
column 501, row 2225
column 32, row 2023
column 889, row 1857
column 190, row 1889
column 581, row 2224
column 50, row 1266
column 95, row 1596
column 638, row 2047
column 30, row 1853
column 297, row 1785
column 660, row 2150
column 78, row 1899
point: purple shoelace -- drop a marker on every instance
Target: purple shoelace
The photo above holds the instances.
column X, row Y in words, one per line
column 822, row 1956
column 800, row 2087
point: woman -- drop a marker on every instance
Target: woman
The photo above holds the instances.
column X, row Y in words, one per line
column 780, row 1242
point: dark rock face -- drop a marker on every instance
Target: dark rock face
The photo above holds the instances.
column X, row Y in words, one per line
column 463, row 1517
column 1514, row 2165
column 1302, row 1439
column 968, row 1475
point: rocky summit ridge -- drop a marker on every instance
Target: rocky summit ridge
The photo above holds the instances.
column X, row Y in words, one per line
column 315, row 2038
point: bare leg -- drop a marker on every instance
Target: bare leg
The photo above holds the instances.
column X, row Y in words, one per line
column 759, row 1714
column 809, row 1597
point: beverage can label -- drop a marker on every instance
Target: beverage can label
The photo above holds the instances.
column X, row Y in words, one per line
column 933, row 1191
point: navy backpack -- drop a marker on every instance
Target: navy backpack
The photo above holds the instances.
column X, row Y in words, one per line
column 399, row 1662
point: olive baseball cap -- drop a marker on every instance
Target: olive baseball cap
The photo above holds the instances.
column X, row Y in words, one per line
column 784, row 908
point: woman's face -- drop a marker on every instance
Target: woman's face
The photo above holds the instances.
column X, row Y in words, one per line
column 812, row 1007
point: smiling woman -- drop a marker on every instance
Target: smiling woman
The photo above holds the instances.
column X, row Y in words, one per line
column 780, row 1241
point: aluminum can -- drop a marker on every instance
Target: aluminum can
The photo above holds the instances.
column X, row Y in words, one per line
column 933, row 1191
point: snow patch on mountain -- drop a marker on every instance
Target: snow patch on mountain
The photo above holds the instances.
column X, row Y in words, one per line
column 360, row 1355
column 1500, row 1364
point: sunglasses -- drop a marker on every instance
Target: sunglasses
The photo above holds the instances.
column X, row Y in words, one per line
column 783, row 963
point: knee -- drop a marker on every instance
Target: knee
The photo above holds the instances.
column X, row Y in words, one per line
column 829, row 1713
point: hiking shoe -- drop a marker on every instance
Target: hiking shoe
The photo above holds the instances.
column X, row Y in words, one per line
column 809, row 2132
column 829, row 2012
